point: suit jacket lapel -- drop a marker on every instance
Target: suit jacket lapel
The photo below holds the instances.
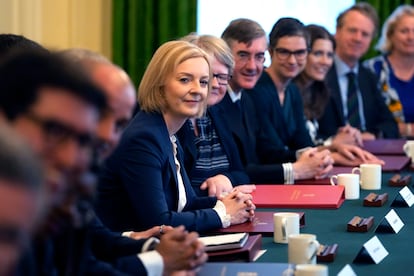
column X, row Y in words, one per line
column 332, row 80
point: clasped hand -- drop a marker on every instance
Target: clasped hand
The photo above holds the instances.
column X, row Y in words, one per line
column 239, row 206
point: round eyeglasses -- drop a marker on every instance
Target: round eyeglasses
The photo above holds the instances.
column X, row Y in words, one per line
column 222, row 79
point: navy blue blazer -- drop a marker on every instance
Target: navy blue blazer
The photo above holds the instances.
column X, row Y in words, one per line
column 245, row 129
column 112, row 247
column 69, row 253
column 378, row 118
column 235, row 173
column 138, row 189
column 283, row 130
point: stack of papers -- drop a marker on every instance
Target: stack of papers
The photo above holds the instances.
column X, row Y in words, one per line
column 224, row 242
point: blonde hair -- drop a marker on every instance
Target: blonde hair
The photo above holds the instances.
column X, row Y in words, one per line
column 163, row 63
column 384, row 44
column 214, row 46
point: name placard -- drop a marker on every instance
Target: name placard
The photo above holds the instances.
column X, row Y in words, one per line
column 347, row 271
column 394, row 220
column 372, row 252
column 407, row 195
column 391, row 223
column 404, row 198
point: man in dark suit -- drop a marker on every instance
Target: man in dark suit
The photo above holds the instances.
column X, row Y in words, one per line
column 355, row 96
column 248, row 43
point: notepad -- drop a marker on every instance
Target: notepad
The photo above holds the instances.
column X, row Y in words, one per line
column 224, row 242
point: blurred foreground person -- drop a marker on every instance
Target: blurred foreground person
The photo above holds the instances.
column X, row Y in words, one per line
column 21, row 198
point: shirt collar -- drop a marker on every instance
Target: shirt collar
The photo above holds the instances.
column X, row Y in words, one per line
column 233, row 95
column 342, row 68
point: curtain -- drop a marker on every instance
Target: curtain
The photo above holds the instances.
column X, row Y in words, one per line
column 141, row 26
column 384, row 9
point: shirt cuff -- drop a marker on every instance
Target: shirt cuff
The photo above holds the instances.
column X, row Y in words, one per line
column 153, row 262
column 328, row 142
column 127, row 234
column 150, row 244
column 221, row 211
column 288, row 173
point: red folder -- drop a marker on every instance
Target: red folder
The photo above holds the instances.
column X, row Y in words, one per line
column 298, row 196
column 261, row 224
column 385, row 146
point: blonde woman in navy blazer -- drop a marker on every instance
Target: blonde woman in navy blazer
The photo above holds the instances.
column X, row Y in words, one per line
column 139, row 186
column 211, row 157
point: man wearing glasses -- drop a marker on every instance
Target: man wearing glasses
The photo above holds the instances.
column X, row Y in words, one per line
column 248, row 44
column 281, row 109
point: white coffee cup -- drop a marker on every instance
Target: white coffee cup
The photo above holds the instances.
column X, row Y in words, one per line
column 409, row 149
column 285, row 224
column 351, row 183
column 306, row 270
column 302, row 248
column 311, row 270
column 370, row 176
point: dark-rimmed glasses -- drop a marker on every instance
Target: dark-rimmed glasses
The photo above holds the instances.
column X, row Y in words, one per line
column 283, row 53
column 57, row 132
column 222, row 79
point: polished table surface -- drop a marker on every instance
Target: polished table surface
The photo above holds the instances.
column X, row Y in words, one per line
column 330, row 227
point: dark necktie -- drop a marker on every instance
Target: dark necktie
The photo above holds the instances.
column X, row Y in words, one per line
column 352, row 101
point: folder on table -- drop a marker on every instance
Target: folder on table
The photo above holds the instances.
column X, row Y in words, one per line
column 262, row 223
column 298, row 196
column 385, row 146
column 394, row 163
column 244, row 254
column 326, row 180
column 235, row 269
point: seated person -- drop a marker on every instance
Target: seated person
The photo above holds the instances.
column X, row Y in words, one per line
column 126, row 252
column 394, row 67
column 143, row 183
column 315, row 95
column 278, row 102
column 355, row 98
column 210, row 155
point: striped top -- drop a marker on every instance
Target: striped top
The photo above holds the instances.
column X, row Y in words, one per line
column 211, row 158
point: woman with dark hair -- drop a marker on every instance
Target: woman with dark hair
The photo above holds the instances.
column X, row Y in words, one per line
column 310, row 81
column 315, row 96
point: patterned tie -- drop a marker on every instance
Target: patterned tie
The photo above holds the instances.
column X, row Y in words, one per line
column 352, row 102
column 182, row 198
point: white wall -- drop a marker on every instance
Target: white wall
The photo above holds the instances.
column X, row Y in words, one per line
column 213, row 16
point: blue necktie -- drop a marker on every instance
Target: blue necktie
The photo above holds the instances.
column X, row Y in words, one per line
column 352, row 101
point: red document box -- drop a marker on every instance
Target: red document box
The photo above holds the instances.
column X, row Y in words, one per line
column 298, row 196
